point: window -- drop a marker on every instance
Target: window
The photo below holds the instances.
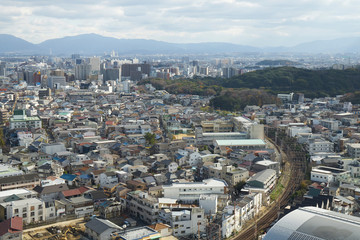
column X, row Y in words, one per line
column 199, row 216
column 32, row 214
column 24, row 209
column 24, row 215
column 40, row 207
column 16, row 210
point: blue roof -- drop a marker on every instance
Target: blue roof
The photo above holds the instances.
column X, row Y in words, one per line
column 85, row 176
column 178, row 156
column 69, row 177
column 59, row 159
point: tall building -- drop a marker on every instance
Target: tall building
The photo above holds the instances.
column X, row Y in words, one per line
column 95, row 64
column 82, row 71
column 56, row 82
column 135, row 71
column 112, row 74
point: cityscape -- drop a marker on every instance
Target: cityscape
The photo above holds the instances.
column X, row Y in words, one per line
column 179, row 131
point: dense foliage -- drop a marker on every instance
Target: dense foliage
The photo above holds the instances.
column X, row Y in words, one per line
column 239, row 91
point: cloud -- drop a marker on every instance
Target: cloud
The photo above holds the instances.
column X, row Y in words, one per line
column 257, row 22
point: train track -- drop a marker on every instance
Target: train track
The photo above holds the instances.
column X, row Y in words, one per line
column 297, row 162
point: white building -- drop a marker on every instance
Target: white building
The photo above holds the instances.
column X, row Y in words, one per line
column 230, row 221
column 319, row 145
column 25, row 138
column 8, row 171
column 20, row 120
column 108, row 179
column 184, row 221
column 31, row 210
column 295, row 130
column 191, row 191
column 53, row 148
column 353, row 150
column 325, row 174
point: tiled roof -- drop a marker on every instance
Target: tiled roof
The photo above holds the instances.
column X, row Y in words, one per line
column 12, row 225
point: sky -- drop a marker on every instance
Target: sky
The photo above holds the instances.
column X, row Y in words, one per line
column 257, row 22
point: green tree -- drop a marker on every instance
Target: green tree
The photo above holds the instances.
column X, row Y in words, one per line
column 150, row 138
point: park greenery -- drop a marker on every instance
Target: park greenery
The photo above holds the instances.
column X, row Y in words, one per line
column 260, row 87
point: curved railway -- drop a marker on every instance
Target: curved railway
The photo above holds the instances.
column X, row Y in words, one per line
column 297, row 162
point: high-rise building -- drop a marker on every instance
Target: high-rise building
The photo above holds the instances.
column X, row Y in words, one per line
column 82, row 71
column 135, row 71
column 56, row 81
column 95, row 64
column 112, row 74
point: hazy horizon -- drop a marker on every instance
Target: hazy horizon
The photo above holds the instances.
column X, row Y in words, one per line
column 257, row 23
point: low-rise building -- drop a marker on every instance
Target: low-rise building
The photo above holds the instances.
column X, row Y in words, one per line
column 191, row 191
column 264, row 180
column 31, row 210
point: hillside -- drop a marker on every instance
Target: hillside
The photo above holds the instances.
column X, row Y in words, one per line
column 260, row 87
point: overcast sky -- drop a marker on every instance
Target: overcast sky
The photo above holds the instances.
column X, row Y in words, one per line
column 256, row 22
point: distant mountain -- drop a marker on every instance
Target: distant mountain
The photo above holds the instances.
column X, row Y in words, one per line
column 341, row 45
column 89, row 44
column 11, row 44
column 93, row 43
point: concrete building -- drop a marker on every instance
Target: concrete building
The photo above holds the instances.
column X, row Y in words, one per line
column 230, row 221
column 353, row 150
column 264, row 180
column 319, row 145
column 55, row 82
column 20, row 120
column 191, row 191
column 184, row 221
column 254, row 130
column 216, row 126
column 82, row 71
column 143, row 206
column 31, row 210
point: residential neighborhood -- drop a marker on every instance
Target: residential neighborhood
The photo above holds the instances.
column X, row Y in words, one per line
column 136, row 162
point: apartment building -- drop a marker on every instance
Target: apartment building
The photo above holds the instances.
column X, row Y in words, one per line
column 31, row 210
column 191, row 191
column 184, row 221
column 143, row 206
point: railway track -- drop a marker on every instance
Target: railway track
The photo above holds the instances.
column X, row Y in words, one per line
column 297, row 161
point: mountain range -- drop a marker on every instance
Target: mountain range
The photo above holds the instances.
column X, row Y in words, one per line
column 88, row 44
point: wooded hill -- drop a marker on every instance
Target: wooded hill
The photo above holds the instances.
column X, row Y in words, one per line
column 260, row 87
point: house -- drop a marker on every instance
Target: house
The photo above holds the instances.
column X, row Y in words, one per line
column 108, row 179
column 109, row 209
column 11, row 229
column 50, row 193
column 100, row 229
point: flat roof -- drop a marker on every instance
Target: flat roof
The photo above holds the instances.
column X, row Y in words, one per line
column 18, row 191
column 240, row 142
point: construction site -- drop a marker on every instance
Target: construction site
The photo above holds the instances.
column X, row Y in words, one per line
column 70, row 230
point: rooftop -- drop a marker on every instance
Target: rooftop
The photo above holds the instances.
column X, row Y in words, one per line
column 242, row 142
column 315, row 224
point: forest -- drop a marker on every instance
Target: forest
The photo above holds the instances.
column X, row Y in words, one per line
column 260, row 87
